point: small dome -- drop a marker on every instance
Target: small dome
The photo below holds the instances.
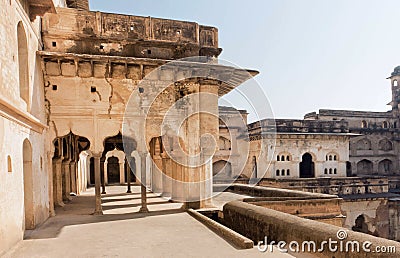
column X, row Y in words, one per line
column 396, row 71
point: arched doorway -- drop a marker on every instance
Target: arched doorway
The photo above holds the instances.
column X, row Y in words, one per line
column 113, row 176
column 361, row 225
column 28, row 185
column 364, row 167
column 349, row 172
column 222, row 169
column 307, row 166
column 385, row 166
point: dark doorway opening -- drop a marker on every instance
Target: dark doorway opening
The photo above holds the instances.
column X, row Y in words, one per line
column 348, row 169
column 362, row 226
column 113, row 170
column 131, row 170
column 92, row 171
column 307, row 166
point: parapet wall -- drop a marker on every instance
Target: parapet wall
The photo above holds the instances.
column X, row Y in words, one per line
column 84, row 32
column 258, row 191
column 299, row 126
column 347, row 113
column 257, row 223
column 340, row 186
column 78, row 4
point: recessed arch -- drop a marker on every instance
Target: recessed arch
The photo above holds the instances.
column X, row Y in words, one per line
column 23, row 64
column 385, row 166
column 9, row 164
column 364, row 124
column 364, row 167
column 28, row 185
column 222, row 169
column 284, row 156
column 332, row 156
column 364, row 144
column 361, row 225
column 385, row 145
column 224, row 143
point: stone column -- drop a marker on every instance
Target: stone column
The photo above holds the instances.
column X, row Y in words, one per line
column 79, row 177
column 105, row 174
column 177, row 183
column 98, row 209
column 166, row 175
column 157, row 174
column 128, row 176
column 209, row 125
column 67, row 180
column 103, row 181
column 121, row 172
column 148, row 171
column 57, row 183
column 73, row 176
column 49, row 169
column 88, row 170
column 143, row 189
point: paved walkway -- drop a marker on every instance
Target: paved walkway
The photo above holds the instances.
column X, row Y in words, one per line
column 166, row 231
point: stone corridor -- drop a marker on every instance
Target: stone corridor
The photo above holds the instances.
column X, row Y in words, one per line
column 165, row 231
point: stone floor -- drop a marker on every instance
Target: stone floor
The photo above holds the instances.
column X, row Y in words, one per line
column 166, row 231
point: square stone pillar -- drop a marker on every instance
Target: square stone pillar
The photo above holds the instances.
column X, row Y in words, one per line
column 49, row 169
column 73, row 176
column 157, row 174
column 143, row 189
column 57, row 183
column 166, row 175
column 209, row 125
column 121, row 171
column 105, row 174
column 128, row 176
column 66, row 180
column 177, row 183
column 98, row 209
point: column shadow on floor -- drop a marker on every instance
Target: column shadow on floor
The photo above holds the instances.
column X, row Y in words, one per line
column 80, row 211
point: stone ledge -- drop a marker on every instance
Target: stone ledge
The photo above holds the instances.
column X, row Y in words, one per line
column 228, row 234
column 25, row 119
column 258, row 222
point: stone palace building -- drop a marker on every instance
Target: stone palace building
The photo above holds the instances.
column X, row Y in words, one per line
column 68, row 76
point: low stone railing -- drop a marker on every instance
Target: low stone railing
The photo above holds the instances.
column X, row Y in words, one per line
column 260, row 224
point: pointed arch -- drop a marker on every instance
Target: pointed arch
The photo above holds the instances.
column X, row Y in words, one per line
column 23, row 67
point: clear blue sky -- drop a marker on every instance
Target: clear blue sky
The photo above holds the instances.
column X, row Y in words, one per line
column 311, row 54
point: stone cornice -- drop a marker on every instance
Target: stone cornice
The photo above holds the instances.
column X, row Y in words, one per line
column 20, row 117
